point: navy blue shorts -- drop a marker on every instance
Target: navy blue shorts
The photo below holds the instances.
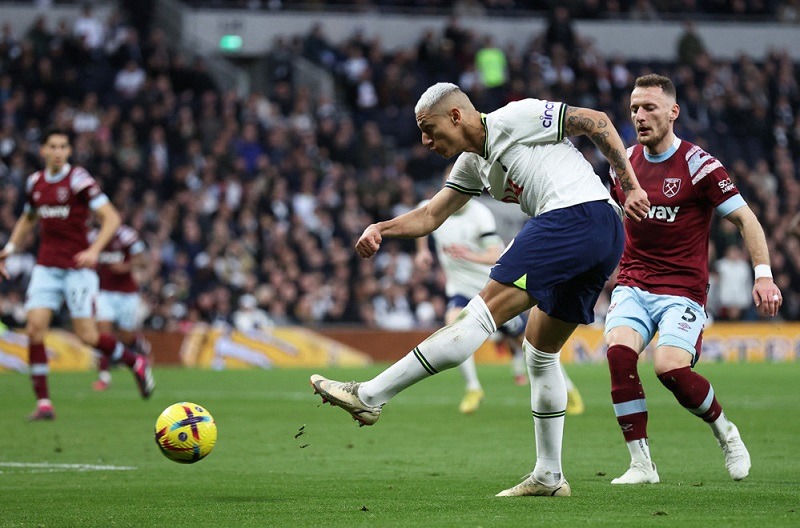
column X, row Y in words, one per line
column 563, row 258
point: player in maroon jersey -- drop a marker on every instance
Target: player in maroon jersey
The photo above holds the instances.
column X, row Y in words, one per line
column 61, row 198
column 663, row 278
column 118, row 301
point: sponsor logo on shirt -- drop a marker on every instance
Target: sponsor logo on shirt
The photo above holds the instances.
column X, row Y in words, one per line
column 725, row 185
column 671, row 186
column 547, row 117
column 663, row 212
column 54, row 211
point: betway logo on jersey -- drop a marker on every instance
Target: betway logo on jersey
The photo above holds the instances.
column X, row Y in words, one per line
column 547, row 117
column 53, row 211
column 663, row 212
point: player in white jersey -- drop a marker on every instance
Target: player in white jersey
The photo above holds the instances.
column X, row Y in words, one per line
column 556, row 266
column 467, row 244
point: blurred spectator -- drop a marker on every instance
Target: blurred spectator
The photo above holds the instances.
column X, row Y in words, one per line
column 559, row 31
column 89, row 29
column 392, row 308
column 735, row 279
column 492, row 68
column 249, row 316
column 690, row 45
column 129, row 81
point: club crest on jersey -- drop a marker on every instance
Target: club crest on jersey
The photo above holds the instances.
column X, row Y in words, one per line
column 671, row 187
column 62, row 194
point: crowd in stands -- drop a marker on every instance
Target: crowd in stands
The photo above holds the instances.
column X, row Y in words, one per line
column 250, row 206
column 787, row 11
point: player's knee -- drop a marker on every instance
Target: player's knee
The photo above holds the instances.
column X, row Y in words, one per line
column 35, row 331
column 665, row 366
column 670, row 359
column 625, row 336
column 88, row 335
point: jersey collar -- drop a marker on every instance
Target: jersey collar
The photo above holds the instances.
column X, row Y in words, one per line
column 658, row 158
column 55, row 178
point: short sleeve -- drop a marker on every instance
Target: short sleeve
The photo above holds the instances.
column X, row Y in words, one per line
column 465, row 176
column 709, row 177
column 532, row 121
column 30, row 206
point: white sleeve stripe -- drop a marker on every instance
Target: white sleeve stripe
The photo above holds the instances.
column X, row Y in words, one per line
column 32, row 179
column 81, row 179
column 137, row 247
column 692, row 151
column 707, row 168
column 127, row 235
column 98, row 201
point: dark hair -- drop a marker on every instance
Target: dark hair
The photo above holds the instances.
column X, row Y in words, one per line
column 55, row 131
column 658, row 81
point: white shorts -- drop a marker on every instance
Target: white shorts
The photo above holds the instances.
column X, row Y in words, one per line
column 679, row 320
column 120, row 308
column 50, row 287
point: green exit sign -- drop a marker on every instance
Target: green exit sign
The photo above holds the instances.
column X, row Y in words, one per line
column 230, row 43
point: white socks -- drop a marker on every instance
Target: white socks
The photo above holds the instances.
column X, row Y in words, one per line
column 721, row 427
column 640, row 451
column 445, row 349
column 470, row 374
column 548, row 405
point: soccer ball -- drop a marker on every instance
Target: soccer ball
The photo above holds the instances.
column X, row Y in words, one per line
column 186, row 432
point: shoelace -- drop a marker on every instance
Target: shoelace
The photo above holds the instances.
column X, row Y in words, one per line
column 351, row 387
column 732, row 446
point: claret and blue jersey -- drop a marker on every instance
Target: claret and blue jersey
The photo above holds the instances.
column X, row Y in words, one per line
column 667, row 252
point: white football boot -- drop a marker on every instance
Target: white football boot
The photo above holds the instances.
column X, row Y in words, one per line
column 345, row 395
column 532, row 487
column 639, row 473
column 737, row 458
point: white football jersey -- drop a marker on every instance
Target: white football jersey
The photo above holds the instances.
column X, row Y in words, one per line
column 528, row 161
column 472, row 226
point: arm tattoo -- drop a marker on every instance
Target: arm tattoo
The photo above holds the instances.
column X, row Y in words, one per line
column 578, row 123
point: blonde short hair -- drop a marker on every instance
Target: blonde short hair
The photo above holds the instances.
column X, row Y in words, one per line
column 434, row 95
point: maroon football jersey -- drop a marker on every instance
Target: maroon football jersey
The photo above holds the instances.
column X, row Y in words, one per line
column 62, row 206
column 667, row 252
column 120, row 249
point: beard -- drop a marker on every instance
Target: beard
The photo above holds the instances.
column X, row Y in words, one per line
column 652, row 139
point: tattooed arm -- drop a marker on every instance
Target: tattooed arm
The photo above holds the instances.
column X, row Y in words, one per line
column 597, row 126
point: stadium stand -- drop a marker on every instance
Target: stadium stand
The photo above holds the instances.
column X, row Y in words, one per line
column 265, row 194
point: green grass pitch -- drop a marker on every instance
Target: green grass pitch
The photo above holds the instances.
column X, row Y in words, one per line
column 422, row 464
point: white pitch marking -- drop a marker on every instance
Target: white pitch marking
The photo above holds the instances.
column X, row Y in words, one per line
column 46, row 467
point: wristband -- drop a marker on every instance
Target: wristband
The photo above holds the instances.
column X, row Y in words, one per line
column 763, row 270
column 9, row 248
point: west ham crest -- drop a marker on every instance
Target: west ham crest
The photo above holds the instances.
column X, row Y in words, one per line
column 671, row 187
column 62, row 194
